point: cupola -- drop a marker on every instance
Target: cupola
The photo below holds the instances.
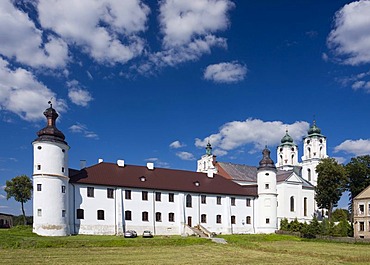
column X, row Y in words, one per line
column 287, row 139
column 266, row 162
column 314, row 129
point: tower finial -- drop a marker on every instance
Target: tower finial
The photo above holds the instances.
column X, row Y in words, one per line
column 208, row 148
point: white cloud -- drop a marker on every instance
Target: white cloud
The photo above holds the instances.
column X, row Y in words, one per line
column 356, row 147
column 359, row 81
column 235, row 134
column 106, row 30
column 78, row 95
column 82, row 129
column 225, row 72
column 340, row 160
column 22, row 40
column 350, row 38
column 185, row 155
column 2, row 196
column 23, row 95
column 158, row 162
column 176, row 144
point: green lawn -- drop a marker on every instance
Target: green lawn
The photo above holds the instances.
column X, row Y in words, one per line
column 20, row 246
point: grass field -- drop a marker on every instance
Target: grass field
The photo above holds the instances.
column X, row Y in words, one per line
column 20, row 246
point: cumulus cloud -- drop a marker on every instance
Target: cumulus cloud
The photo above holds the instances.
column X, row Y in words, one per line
column 225, row 72
column 359, row 81
column 185, row 155
column 176, row 144
column 356, row 147
column 22, row 94
column 82, row 129
column 77, row 94
column 108, row 30
column 235, row 134
column 350, row 38
column 22, row 40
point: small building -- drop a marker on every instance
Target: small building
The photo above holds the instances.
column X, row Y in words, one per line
column 361, row 214
column 6, row 220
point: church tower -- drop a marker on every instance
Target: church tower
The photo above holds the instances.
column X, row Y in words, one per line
column 287, row 153
column 207, row 162
column 50, row 179
column 314, row 149
column 266, row 216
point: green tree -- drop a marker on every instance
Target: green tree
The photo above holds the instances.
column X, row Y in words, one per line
column 358, row 172
column 331, row 183
column 20, row 188
column 284, row 224
column 340, row 214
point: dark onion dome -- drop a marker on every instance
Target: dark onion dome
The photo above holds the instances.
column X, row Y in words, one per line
column 50, row 132
column 314, row 129
column 266, row 162
column 287, row 138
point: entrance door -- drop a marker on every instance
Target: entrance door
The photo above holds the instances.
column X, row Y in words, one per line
column 189, row 221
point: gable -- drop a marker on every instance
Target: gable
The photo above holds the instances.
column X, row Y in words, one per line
column 364, row 194
column 294, row 178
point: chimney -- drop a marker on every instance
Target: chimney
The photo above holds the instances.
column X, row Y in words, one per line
column 100, row 160
column 150, row 165
column 210, row 174
column 121, row 163
column 82, row 164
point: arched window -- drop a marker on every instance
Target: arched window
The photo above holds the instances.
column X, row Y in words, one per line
column 309, row 152
column 158, row 217
column 233, row 219
column 248, row 220
column 188, row 201
column 309, row 174
column 203, row 218
column 145, row 216
column 293, row 159
column 305, row 206
column 292, row 203
column 171, row 217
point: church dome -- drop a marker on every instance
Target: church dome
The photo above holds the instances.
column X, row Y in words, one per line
column 287, row 138
column 266, row 162
column 314, row 129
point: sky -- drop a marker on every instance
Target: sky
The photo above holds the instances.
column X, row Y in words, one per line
column 154, row 81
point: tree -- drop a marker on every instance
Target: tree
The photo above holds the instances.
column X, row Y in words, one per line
column 358, row 172
column 331, row 183
column 340, row 214
column 20, row 188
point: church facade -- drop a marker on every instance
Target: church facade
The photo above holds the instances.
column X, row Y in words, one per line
column 110, row 198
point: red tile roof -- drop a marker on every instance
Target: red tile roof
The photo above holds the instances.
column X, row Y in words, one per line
column 110, row 174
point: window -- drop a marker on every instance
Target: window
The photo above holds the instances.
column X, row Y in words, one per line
column 39, row 212
column 110, row 193
column 203, row 218
column 171, row 197
column 100, row 214
column 267, row 186
column 233, row 201
column 145, row 216
column 361, row 209
column 188, row 201
column 248, row 220
column 158, row 196
column 38, row 167
column 128, row 194
column 90, row 191
column 218, row 219
column 233, row 219
column 248, row 202
column 203, row 199
column 158, row 217
column 39, row 186
column 267, row 220
column 63, row 189
column 305, row 206
column 80, row 214
column 218, row 200
column 63, row 213
column 171, row 217
column 309, row 174
column 292, row 203
column 144, row 195
column 63, row 169
column 128, row 215
column 362, row 226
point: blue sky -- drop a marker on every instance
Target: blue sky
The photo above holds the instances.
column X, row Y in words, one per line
column 155, row 80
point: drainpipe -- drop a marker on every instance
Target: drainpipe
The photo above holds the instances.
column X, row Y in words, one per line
column 74, row 209
column 254, row 216
column 115, row 210
column 154, row 215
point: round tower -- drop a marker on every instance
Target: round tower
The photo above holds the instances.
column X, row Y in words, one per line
column 287, row 153
column 267, row 195
column 314, row 149
column 50, row 179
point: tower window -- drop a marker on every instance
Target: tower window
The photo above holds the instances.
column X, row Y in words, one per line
column 38, row 167
column 39, row 147
column 63, row 213
column 309, row 174
column 63, row 169
column 39, row 187
column 39, row 212
column 90, row 191
column 267, row 220
column 63, row 189
column 100, row 214
column 80, row 213
column 63, row 150
column 267, row 186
